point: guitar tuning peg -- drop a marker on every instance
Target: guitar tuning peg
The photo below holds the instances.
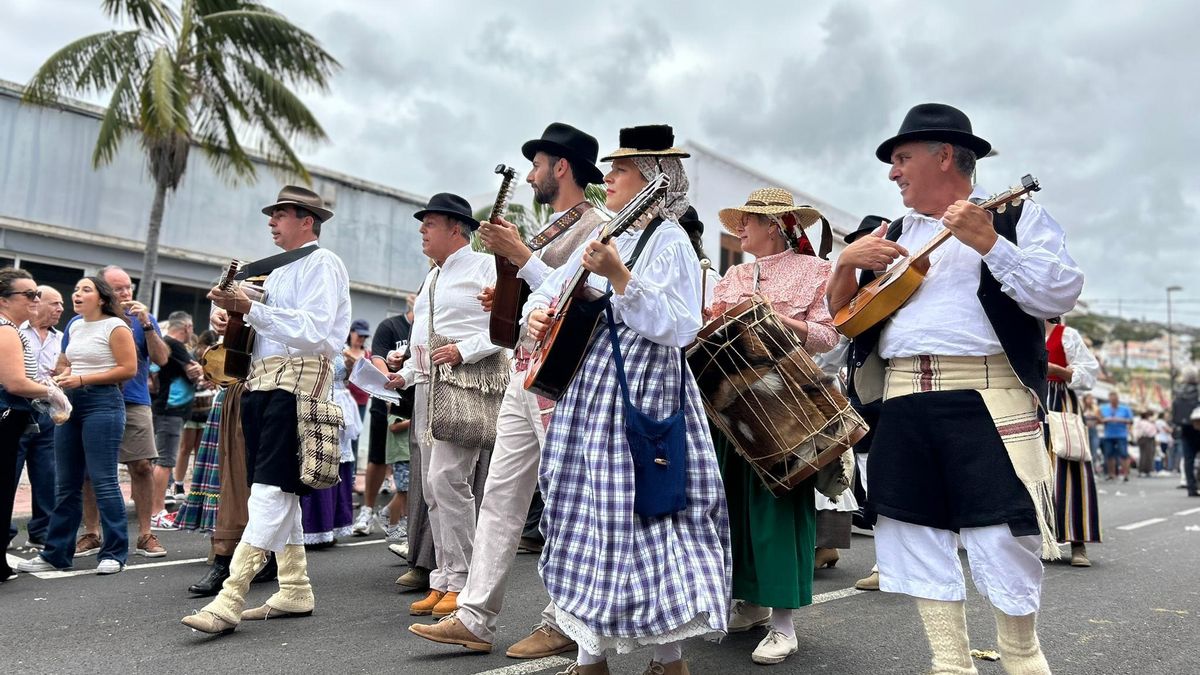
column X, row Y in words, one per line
column 1002, row 208
column 1017, row 201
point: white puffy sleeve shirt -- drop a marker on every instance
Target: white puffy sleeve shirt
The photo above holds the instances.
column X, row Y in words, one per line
column 662, row 299
column 458, row 314
column 1085, row 369
column 307, row 309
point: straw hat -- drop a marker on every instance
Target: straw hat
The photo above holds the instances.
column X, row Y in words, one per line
column 651, row 140
column 770, row 202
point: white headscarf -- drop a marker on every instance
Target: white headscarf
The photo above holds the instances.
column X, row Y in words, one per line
column 676, row 201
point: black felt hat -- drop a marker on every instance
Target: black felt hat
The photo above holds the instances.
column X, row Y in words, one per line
column 868, row 225
column 651, row 140
column 578, row 148
column 451, row 205
column 935, row 122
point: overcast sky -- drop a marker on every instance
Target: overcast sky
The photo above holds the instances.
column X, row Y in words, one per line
column 1098, row 100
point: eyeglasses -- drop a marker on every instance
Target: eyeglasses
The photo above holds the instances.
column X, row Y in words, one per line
column 132, row 288
column 31, row 294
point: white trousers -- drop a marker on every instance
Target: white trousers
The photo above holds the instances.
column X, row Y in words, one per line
column 273, row 518
column 923, row 562
column 446, row 487
column 511, row 481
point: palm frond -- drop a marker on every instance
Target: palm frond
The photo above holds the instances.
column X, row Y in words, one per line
column 91, row 64
column 276, row 147
column 273, row 96
column 269, row 39
column 164, row 99
column 118, row 119
column 153, row 15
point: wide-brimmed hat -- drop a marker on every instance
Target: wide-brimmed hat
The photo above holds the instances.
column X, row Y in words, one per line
column 578, row 148
column 651, row 140
column 294, row 195
column 449, row 204
column 935, row 122
column 770, row 201
column 868, row 225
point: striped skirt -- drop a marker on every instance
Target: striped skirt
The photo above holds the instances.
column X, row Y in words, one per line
column 620, row 581
column 1076, row 510
column 199, row 512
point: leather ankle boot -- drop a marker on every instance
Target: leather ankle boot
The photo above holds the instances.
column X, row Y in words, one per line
column 210, row 584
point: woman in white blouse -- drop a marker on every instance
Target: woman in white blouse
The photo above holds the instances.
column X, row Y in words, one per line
column 100, row 356
column 1072, row 369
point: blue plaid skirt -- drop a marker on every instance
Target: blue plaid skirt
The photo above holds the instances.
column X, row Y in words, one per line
column 619, row 581
column 199, row 512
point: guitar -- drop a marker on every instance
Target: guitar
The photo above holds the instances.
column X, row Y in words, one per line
column 229, row 360
column 557, row 357
column 881, row 298
column 511, row 293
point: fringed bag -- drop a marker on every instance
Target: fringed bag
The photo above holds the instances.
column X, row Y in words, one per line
column 464, row 400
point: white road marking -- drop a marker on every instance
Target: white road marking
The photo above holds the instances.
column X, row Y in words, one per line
column 63, row 574
column 362, row 543
column 1142, row 523
column 1188, row 512
column 556, row 661
column 535, row 666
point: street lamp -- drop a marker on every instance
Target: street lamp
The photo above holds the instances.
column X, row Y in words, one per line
column 1171, row 342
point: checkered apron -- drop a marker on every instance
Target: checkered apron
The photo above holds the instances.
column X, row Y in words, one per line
column 619, row 581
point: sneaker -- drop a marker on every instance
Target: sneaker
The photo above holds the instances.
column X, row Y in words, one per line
column 745, row 615
column 34, row 545
column 774, row 648
column 88, row 544
column 110, row 566
column 400, row 549
column 387, row 487
column 148, row 546
column 169, row 497
column 180, row 494
column 163, row 521
column 36, row 564
column 396, row 533
column 365, row 522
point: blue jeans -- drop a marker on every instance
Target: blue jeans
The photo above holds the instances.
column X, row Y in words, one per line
column 88, row 444
column 36, row 454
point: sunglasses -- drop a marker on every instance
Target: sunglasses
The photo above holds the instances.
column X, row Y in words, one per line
column 30, row 294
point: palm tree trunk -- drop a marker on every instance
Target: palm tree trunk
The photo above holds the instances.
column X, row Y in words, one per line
column 145, row 294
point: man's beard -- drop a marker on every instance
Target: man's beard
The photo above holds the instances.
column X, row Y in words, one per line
column 546, row 191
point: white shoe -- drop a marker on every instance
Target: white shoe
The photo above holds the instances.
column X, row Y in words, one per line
column 109, row 566
column 364, row 523
column 774, row 648
column 746, row 615
column 400, row 549
column 397, row 533
column 35, row 564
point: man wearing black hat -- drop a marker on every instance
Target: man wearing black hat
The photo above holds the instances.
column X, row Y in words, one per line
column 564, row 163
column 300, row 328
column 447, row 310
column 958, row 453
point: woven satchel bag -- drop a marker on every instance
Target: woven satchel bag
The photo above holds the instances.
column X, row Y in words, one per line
column 319, row 424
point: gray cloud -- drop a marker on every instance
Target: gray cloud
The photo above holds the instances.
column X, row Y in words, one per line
column 1099, row 105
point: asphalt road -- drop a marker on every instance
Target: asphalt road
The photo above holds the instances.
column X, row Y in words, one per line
column 1135, row 611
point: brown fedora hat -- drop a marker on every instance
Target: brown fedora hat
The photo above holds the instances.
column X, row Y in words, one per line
column 294, row 195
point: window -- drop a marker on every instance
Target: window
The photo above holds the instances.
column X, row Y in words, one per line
column 731, row 252
column 193, row 300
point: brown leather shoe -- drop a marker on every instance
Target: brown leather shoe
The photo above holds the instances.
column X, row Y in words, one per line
column 825, row 557
column 1079, row 556
column 451, row 631
column 425, row 607
column 268, row 612
column 447, row 605
column 542, row 642
column 868, row 583
column 207, row 622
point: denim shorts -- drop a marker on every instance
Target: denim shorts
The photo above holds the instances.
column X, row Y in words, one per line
column 400, row 475
column 1115, row 448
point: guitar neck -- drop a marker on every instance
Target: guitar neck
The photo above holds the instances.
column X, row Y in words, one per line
column 997, row 202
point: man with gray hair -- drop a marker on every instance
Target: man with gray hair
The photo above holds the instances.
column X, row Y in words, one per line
column 36, row 450
column 172, row 405
column 447, row 310
column 1186, row 401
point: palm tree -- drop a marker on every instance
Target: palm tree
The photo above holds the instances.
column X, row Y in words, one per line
column 214, row 73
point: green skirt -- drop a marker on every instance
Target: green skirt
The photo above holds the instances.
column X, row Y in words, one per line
column 773, row 539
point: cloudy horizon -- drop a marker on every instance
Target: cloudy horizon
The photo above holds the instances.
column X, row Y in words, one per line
column 1092, row 99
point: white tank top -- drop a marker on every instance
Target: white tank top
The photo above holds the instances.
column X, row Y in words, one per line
column 88, row 349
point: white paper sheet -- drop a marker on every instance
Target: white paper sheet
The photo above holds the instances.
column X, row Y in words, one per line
column 367, row 377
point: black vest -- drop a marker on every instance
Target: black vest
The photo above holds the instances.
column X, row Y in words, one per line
column 1022, row 336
